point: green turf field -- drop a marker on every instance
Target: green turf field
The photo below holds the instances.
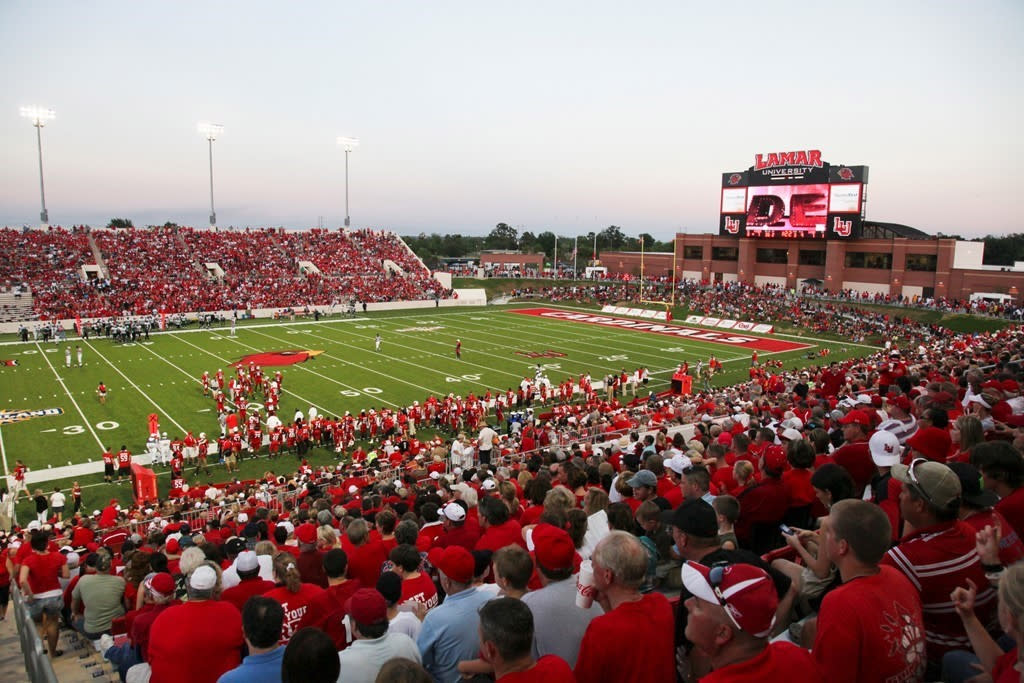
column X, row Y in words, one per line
column 417, row 359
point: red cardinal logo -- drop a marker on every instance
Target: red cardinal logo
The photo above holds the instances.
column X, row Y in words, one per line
column 846, row 173
column 735, row 178
column 271, row 358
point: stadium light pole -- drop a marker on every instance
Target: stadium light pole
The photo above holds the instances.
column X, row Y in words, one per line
column 349, row 144
column 210, row 131
column 39, row 116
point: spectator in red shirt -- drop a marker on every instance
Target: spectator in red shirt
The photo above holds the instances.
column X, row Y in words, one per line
column 366, row 558
column 976, row 510
column 1002, row 471
column 506, row 643
column 416, row 585
column 643, row 620
column 456, row 530
column 249, row 582
column 498, row 530
column 200, row 639
column 39, row 579
column 327, row 610
column 762, row 507
column 938, row 555
column 730, row 616
column 294, row 595
column 309, row 560
column 854, row 455
column 871, row 628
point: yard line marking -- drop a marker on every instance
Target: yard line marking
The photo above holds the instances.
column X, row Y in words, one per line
column 137, row 388
column 71, row 396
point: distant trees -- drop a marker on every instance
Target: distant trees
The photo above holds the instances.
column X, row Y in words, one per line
column 431, row 248
column 120, row 223
column 1003, row 250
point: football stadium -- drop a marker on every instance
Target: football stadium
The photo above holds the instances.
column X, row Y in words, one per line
column 356, row 449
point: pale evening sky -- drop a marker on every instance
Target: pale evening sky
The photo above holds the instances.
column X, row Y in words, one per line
column 564, row 116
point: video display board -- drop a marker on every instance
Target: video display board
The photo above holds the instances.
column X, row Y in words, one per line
column 793, row 195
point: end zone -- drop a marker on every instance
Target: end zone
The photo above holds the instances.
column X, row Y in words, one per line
column 725, row 338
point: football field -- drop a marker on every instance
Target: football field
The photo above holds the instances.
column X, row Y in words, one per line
column 51, row 415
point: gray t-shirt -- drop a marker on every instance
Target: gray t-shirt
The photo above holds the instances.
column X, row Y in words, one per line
column 362, row 660
column 103, row 596
column 558, row 624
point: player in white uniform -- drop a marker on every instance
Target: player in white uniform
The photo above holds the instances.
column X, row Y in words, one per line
column 376, row 343
column 164, row 449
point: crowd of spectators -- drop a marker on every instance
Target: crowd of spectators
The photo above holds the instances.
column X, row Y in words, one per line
column 856, row 520
column 163, row 270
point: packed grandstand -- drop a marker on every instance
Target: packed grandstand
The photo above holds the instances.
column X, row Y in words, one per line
column 859, row 519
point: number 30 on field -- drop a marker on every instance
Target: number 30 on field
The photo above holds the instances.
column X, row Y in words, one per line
column 106, row 425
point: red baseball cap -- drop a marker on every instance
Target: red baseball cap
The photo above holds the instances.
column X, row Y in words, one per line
column 858, row 417
column 367, row 606
column 173, row 546
column 456, row 562
column 1010, row 385
column 932, row 442
column 901, row 402
column 553, row 547
column 775, row 458
column 306, row 533
column 162, row 583
column 745, row 592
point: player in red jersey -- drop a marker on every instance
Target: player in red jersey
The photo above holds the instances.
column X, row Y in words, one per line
column 124, row 463
column 108, row 465
column 206, row 383
column 101, row 392
column 458, row 348
column 202, row 451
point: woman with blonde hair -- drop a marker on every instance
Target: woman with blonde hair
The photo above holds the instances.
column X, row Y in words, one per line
column 293, row 595
column 507, row 490
column 966, row 433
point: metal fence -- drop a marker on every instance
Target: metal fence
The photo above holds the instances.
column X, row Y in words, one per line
column 37, row 663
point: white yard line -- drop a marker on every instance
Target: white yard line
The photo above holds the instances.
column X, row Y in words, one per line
column 137, row 388
column 70, row 396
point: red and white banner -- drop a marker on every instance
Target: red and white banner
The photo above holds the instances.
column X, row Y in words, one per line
column 725, row 324
column 678, row 331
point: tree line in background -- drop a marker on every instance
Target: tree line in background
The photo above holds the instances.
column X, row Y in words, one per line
column 504, row 237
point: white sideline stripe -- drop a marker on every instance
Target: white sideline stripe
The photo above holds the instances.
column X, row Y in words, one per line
column 3, row 456
column 361, row 367
column 70, row 396
column 137, row 388
column 253, row 348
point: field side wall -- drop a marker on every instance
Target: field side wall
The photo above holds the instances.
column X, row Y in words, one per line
column 464, row 297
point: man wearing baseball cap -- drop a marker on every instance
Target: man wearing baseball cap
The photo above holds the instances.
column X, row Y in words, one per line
column 559, row 624
column 374, row 644
column 449, row 633
column 870, row 628
column 886, row 451
column 731, row 612
column 209, row 630
column 457, row 531
column 854, row 455
column 899, row 420
column 938, row 555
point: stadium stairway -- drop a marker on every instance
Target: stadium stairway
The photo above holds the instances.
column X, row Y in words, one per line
column 98, row 255
column 80, row 663
column 14, row 308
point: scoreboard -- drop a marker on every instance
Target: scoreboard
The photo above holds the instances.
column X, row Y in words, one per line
column 793, row 195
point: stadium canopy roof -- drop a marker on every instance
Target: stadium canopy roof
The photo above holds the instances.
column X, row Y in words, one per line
column 876, row 230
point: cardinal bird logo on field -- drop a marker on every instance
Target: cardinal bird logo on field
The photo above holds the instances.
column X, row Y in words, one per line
column 272, row 358
column 9, row 363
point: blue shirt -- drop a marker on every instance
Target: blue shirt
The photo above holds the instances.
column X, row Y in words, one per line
column 265, row 668
column 450, row 634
